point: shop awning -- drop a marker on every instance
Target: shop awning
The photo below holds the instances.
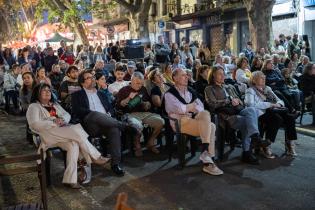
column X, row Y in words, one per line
column 57, row 38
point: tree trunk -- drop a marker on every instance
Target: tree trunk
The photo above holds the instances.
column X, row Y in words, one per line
column 80, row 32
column 260, row 22
column 138, row 18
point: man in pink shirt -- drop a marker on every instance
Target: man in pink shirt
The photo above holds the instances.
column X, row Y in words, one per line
column 182, row 103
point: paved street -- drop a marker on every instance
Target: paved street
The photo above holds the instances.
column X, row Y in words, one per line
column 154, row 184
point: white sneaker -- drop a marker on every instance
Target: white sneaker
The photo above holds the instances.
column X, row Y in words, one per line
column 268, row 153
column 205, row 157
column 212, row 169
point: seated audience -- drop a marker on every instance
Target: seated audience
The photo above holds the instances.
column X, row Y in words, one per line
column 11, row 88
column 272, row 113
column 307, row 85
column 176, row 62
column 158, row 90
column 51, row 122
column 120, row 73
column 41, row 77
column 202, row 81
column 135, row 102
column 243, row 73
column 68, row 87
column 56, row 76
column 101, row 85
column 26, row 90
column 95, row 112
column 224, row 100
column 292, row 85
column 256, row 64
column 275, row 80
column 182, row 103
column 168, row 74
column 131, row 67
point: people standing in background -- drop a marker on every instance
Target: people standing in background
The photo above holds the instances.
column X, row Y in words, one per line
column 62, row 48
column 162, row 51
column 50, row 59
column 249, row 53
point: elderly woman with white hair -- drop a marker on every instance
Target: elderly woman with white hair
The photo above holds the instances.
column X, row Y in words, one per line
column 272, row 113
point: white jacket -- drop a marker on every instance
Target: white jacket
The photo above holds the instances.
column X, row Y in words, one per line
column 252, row 99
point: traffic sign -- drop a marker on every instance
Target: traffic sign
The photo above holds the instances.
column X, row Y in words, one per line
column 161, row 24
column 110, row 29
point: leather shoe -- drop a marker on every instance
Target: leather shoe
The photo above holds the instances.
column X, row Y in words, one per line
column 118, row 170
column 250, row 158
column 73, row 185
column 257, row 142
column 101, row 160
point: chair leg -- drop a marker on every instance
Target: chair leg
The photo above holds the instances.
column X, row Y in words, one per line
column 64, row 153
column 47, row 168
column 301, row 118
column 169, row 138
column 221, row 142
column 181, row 150
column 193, row 146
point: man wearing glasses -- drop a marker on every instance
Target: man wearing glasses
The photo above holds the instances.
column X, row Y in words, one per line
column 95, row 113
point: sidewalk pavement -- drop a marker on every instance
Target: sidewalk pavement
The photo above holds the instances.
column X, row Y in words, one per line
column 152, row 183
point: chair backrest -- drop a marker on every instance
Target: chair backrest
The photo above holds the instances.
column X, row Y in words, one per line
column 39, row 167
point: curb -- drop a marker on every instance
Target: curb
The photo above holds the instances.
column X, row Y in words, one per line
column 306, row 131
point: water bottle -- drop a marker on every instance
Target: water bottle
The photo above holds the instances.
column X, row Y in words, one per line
column 135, row 101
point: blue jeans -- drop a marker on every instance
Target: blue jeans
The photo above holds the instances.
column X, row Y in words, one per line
column 247, row 124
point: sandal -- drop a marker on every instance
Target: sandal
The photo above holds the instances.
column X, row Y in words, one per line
column 153, row 149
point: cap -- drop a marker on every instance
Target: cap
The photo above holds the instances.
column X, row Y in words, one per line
column 131, row 64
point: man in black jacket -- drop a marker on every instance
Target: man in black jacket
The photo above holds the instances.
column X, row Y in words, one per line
column 95, row 113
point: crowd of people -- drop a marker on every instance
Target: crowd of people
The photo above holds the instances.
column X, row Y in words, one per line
column 69, row 96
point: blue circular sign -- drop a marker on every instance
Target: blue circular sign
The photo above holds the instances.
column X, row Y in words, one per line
column 161, row 24
column 110, row 29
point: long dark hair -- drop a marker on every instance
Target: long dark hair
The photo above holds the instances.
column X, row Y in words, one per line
column 37, row 90
column 24, row 88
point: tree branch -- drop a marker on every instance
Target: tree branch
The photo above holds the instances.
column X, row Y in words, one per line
column 128, row 6
column 60, row 5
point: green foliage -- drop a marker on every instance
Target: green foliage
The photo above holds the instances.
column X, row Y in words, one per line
column 74, row 10
column 103, row 11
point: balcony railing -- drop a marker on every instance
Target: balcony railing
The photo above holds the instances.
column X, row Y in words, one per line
column 173, row 9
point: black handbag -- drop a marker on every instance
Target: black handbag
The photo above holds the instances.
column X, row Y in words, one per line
column 278, row 110
column 230, row 110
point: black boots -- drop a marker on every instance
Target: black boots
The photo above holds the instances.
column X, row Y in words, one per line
column 250, row 158
column 257, row 141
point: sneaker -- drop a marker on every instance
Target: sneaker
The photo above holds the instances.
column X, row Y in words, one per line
column 205, row 157
column 267, row 153
column 212, row 169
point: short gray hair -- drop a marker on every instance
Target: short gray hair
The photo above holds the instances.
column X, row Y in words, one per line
column 138, row 75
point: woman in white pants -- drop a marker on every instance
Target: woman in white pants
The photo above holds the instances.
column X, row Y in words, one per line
column 50, row 121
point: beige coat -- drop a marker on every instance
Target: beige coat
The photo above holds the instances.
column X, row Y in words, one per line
column 71, row 138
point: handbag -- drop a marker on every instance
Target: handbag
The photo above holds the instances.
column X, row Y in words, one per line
column 230, row 110
column 85, row 172
column 278, row 110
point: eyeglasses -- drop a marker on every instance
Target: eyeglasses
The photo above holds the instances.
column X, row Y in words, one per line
column 46, row 90
column 88, row 78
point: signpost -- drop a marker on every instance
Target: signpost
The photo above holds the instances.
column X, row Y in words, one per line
column 161, row 24
column 110, row 29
